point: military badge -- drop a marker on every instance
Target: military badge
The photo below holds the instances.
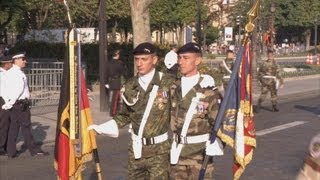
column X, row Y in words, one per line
column 202, row 106
column 161, row 99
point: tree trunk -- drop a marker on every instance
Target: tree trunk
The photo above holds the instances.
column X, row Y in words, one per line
column 140, row 18
column 140, row 21
column 161, row 35
column 114, row 31
column 126, row 34
column 307, row 36
column 180, row 34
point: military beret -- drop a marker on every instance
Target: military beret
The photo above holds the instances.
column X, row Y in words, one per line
column 189, row 48
column 6, row 58
column 19, row 55
column 144, row 48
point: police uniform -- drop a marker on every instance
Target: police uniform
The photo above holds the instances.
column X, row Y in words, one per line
column 225, row 70
column 4, row 114
column 269, row 75
column 193, row 112
column 20, row 116
column 116, row 69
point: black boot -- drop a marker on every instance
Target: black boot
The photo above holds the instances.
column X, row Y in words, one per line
column 274, row 108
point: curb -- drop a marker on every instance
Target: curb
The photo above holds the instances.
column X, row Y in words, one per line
column 303, row 77
column 299, row 95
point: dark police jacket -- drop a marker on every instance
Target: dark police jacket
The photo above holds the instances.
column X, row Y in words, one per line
column 115, row 70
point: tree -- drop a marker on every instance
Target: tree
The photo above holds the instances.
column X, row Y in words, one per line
column 212, row 34
column 140, row 20
column 118, row 15
column 299, row 15
column 6, row 15
column 171, row 15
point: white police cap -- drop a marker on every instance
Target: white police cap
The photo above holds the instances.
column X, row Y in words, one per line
column 19, row 55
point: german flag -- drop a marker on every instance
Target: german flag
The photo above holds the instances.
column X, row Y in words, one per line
column 70, row 153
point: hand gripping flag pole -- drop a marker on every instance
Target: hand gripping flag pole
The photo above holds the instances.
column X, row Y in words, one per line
column 236, row 93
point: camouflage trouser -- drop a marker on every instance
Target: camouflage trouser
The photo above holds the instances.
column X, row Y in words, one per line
column 189, row 168
column 265, row 88
column 155, row 167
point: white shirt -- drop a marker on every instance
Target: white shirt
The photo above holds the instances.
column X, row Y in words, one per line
column 170, row 59
column 144, row 80
column 16, row 85
column 2, row 80
column 187, row 83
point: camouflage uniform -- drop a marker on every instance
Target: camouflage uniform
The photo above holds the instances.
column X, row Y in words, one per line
column 269, row 68
column 192, row 155
column 224, row 73
column 154, row 163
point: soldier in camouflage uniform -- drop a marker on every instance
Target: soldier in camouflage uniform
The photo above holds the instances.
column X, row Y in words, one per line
column 270, row 77
column 225, row 68
column 147, row 104
column 195, row 102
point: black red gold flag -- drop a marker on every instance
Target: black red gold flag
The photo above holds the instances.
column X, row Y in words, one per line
column 73, row 146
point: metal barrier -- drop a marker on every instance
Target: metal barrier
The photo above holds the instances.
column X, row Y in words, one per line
column 44, row 81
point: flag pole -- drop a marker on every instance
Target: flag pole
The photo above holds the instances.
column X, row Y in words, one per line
column 252, row 16
column 92, row 135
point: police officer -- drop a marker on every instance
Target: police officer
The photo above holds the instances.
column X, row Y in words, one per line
column 195, row 102
column 18, row 102
column 269, row 75
column 116, row 71
column 225, row 68
column 147, row 104
column 5, row 65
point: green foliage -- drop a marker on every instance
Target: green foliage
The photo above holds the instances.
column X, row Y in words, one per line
column 299, row 13
column 212, row 34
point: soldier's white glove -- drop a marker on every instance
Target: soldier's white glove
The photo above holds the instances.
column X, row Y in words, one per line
column 6, row 106
column 107, row 86
column 207, row 81
column 214, row 149
column 109, row 128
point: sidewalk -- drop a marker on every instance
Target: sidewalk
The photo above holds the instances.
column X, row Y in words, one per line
column 44, row 126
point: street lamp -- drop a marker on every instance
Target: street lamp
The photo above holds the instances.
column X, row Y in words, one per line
column 315, row 36
column 239, row 20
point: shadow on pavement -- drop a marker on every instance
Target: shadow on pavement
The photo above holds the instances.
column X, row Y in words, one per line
column 312, row 109
column 39, row 133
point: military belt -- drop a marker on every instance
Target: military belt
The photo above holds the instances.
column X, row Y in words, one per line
column 153, row 140
column 191, row 139
column 270, row 77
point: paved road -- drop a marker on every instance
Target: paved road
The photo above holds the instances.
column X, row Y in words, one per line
column 279, row 154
